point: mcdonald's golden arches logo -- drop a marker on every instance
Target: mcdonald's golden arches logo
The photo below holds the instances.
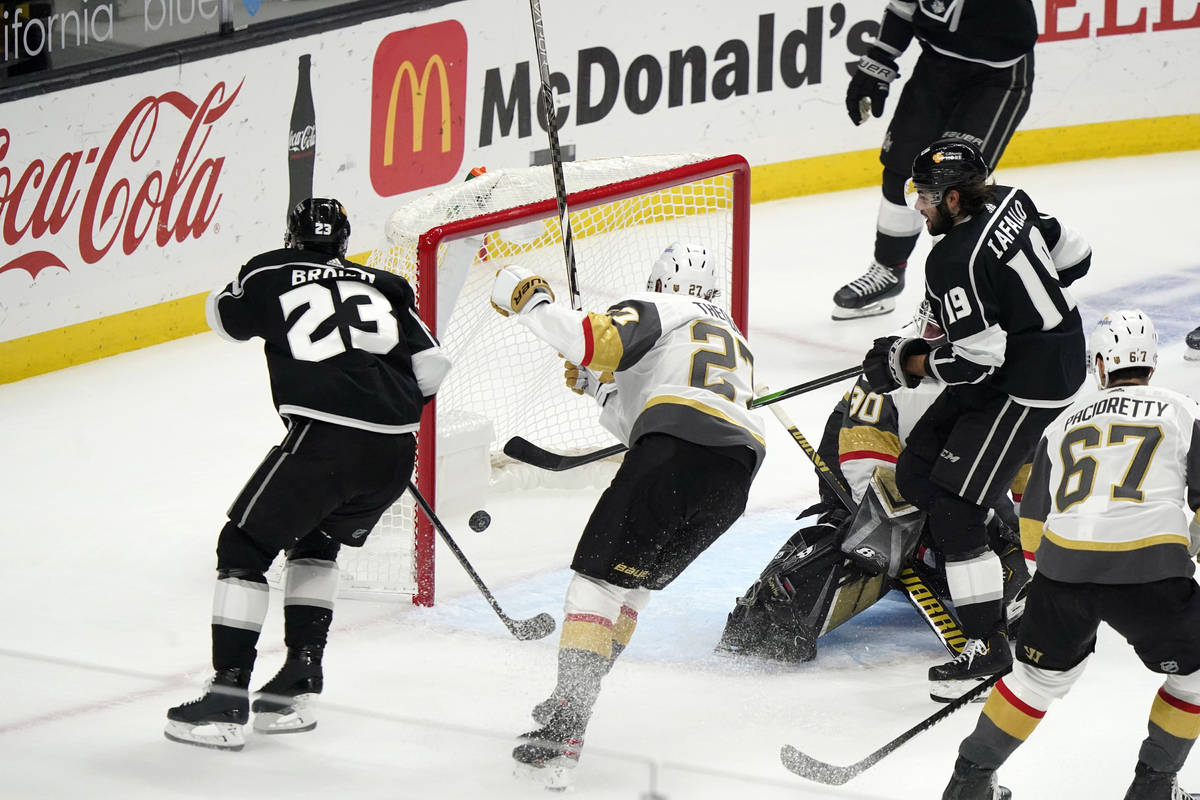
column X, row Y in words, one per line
column 418, row 97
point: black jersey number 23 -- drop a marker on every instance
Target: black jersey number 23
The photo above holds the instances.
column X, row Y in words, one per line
column 379, row 334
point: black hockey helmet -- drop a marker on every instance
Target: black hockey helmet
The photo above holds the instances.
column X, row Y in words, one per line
column 318, row 223
column 948, row 164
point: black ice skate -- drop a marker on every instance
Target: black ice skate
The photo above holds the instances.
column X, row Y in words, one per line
column 286, row 703
column 979, row 660
column 215, row 719
column 872, row 294
column 550, row 754
column 1149, row 784
column 1192, row 351
column 543, row 712
column 972, row 782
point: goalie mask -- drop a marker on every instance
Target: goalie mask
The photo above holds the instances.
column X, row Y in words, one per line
column 924, row 325
column 318, row 223
column 684, row 269
column 1124, row 339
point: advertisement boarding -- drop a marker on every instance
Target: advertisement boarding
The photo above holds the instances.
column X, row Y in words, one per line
column 119, row 197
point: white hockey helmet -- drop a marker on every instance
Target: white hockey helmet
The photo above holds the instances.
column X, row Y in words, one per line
column 1124, row 339
column 684, row 269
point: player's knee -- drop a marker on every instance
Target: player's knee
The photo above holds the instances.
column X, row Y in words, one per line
column 912, row 479
column 957, row 526
column 587, row 595
column 1037, row 687
column 240, row 555
column 894, row 182
column 637, row 599
column 315, row 545
column 1184, row 687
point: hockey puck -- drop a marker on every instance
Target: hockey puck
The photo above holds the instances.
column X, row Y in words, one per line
column 479, row 521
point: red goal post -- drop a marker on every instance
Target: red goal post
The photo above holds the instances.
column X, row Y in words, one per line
column 448, row 244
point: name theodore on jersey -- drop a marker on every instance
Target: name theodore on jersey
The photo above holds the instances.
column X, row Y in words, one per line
column 1124, row 406
column 300, row 276
column 713, row 311
column 1007, row 228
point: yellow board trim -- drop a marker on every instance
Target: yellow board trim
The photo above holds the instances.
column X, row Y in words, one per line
column 86, row 341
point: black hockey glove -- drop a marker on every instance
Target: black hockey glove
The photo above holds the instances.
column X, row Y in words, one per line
column 868, row 89
column 884, row 363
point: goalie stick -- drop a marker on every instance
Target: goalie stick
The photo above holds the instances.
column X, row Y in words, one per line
column 819, row 771
column 560, row 186
column 537, row 627
column 521, row 449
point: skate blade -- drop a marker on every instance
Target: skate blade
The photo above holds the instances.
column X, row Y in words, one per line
column 296, row 718
column 556, row 775
column 885, row 306
column 949, row 691
column 214, row 735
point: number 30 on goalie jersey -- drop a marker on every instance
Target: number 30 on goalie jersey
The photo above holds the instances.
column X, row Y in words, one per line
column 681, row 367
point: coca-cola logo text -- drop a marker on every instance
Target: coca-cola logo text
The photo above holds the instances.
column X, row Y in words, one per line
column 41, row 200
column 302, row 140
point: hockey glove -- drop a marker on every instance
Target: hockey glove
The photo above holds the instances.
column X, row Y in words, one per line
column 517, row 290
column 884, row 363
column 868, row 89
column 581, row 380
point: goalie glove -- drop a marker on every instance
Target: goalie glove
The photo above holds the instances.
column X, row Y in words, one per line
column 516, row 290
column 884, row 363
column 581, row 380
column 868, row 89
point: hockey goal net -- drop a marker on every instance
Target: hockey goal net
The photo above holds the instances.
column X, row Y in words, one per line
column 504, row 382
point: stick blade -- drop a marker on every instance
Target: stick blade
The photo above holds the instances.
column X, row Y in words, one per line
column 538, row 627
column 808, row 767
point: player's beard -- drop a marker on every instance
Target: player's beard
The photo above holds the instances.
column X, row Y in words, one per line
column 940, row 222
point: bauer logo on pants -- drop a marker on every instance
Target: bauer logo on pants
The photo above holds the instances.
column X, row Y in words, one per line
column 418, row 99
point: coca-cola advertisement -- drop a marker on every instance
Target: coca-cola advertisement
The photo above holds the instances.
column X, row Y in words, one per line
column 302, row 137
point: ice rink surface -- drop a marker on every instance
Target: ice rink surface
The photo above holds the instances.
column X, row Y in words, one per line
column 117, row 474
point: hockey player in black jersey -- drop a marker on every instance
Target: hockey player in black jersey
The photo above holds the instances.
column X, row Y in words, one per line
column 351, row 367
column 1014, row 356
column 973, row 79
column 1112, row 512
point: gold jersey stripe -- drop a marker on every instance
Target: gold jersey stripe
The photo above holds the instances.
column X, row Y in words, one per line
column 1008, row 718
column 1110, row 547
column 607, row 347
column 864, row 437
column 704, row 409
column 1031, row 534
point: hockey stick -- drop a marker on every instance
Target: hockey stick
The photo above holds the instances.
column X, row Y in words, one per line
column 537, row 627
column 822, row 772
column 521, row 449
column 823, row 470
column 801, row 388
column 560, row 186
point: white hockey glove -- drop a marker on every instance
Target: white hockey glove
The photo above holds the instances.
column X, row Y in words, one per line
column 581, row 380
column 516, row 290
column 884, row 363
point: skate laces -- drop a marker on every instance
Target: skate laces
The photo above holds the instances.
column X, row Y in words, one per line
column 972, row 649
column 876, row 279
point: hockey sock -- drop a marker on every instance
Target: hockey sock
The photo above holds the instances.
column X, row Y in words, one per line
column 977, row 589
column 239, row 608
column 310, row 586
column 1174, row 723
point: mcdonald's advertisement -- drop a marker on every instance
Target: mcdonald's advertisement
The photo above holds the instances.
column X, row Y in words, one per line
column 155, row 187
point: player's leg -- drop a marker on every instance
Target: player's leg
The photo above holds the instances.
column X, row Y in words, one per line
column 921, row 111
column 1052, row 651
column 285, row 704
column 991, row 105
column 1162, row 620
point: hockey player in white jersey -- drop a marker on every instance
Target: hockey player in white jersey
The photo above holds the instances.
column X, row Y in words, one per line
column 1111, row 512
column 673, row 376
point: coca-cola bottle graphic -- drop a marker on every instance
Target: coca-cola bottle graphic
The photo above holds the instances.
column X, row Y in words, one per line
column 302, row 137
